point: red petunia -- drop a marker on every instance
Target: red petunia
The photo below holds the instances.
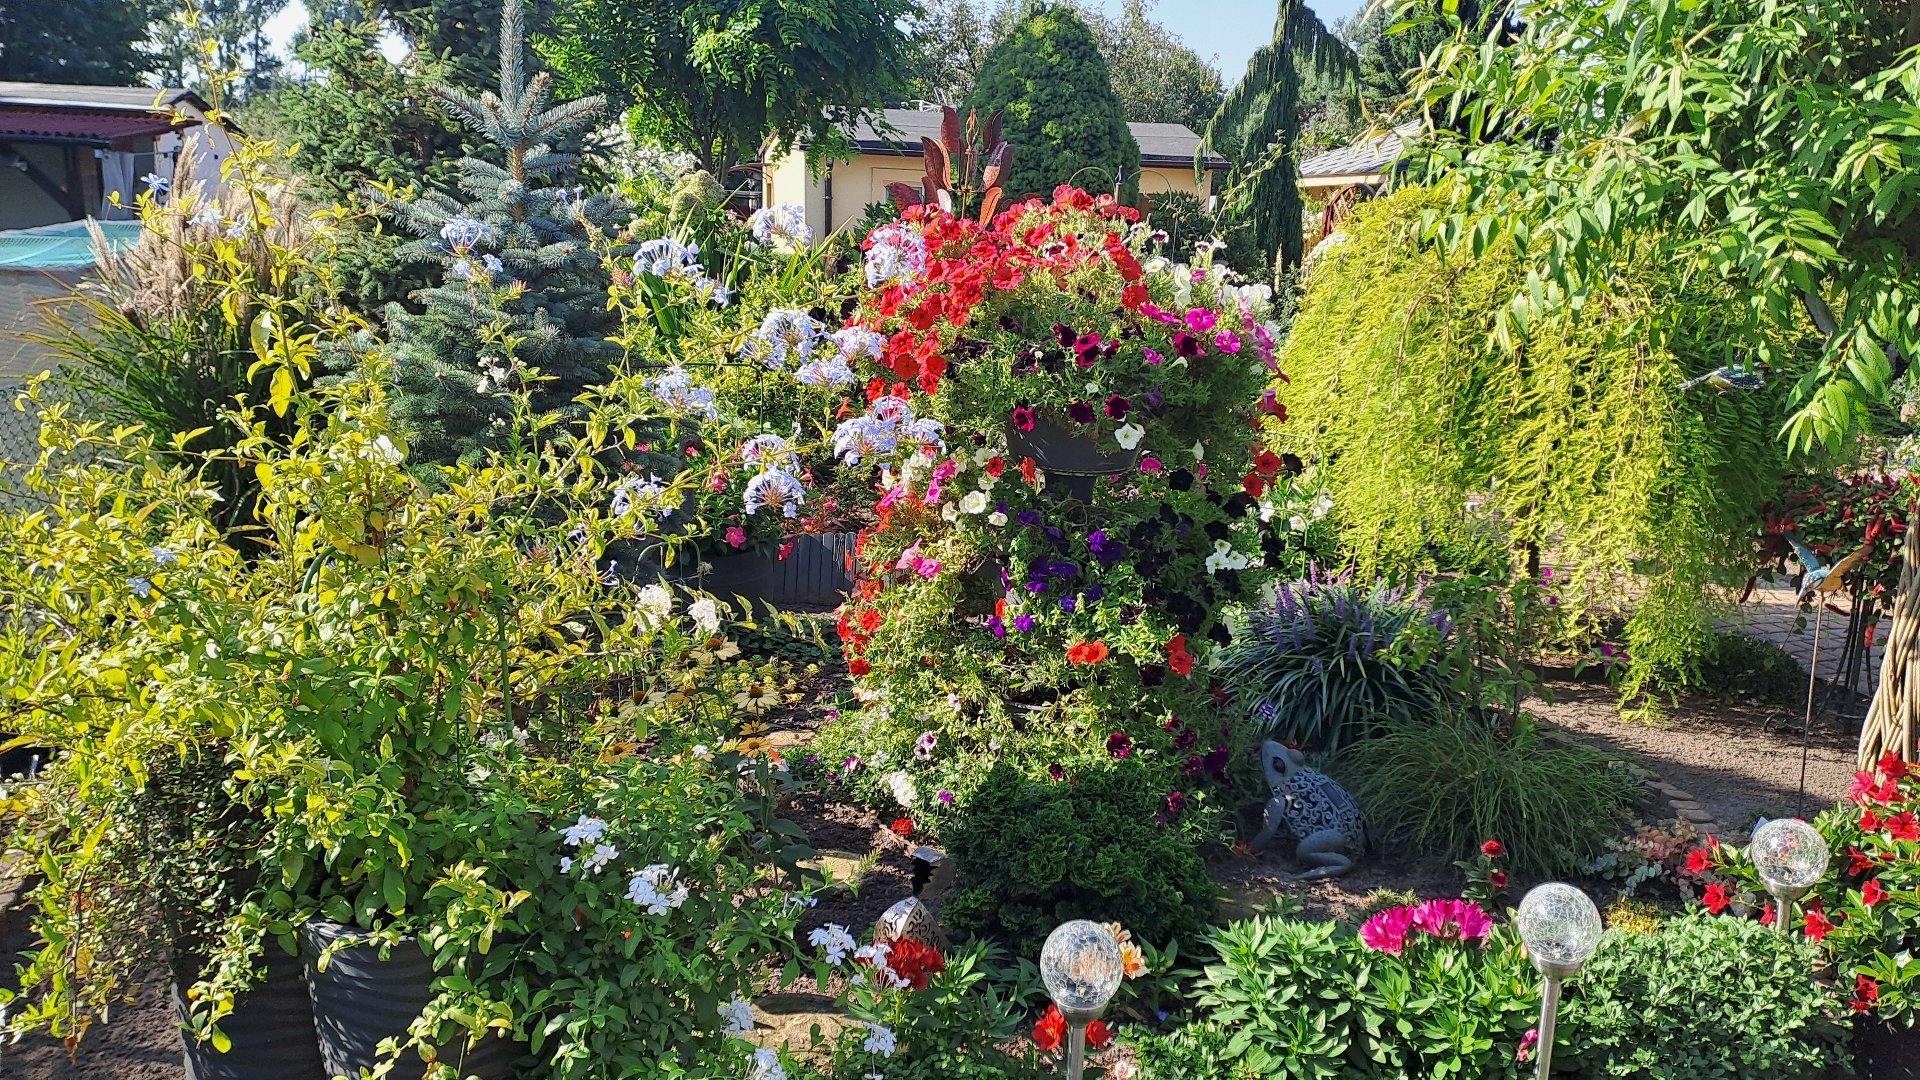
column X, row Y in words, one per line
column 1029, row 471
column 1872, row 892
column 1493, row 849
column 1699, row 861
column 1267, row 464
column 996, row 466
column 1178, row 658
column 858, row 667
column 1087, row 652
column 1716, row 899
column 1253, row 485
column 902, row 826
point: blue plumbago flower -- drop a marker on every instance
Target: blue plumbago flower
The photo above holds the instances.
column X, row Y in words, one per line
column 783, row 224
column 712, row 291
column 164, row 557
column 462, row 269
column 141, row 587
column 493, row 264
column 463, row 233
column 636, row 491
column 667, row 258
column 896, row 254
column 208, row 214
column 831, row 371
column 860, row 437
column 676, row 390
column 238, row 229
column 786, row 334
column 775, row 489
column 893, row 410
column 769, row 451
column 859, row 343
column 927, row 433
column 156, row 183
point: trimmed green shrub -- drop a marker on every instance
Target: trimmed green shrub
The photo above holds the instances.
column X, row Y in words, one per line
column 1702, row 998
column 1448, row 786
column 1740, row 667
column 1033, row 854
column 1055, row 95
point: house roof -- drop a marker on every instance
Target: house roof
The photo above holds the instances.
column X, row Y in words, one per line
column 1160, row 144
column 1371, row 156
column 89, row 115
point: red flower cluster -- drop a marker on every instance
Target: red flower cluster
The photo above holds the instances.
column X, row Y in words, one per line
column 1178, row 658
column 1051, row 1032
column 1087, row 652
column 902, row 826
column 915, row 962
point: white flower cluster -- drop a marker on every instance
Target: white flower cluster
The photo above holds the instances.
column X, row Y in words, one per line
column 637, row 491
column 653, row 607
column 901, row 785
column 781, row 225
column 677, row 391
column 1225, row 558
column 766, row 1065
column 656, row 889
column 876, row 960
column 777, row 486
column 672, row 261
column 785, row 335
column 896, row 254
column 851, row 344
column 888, row 425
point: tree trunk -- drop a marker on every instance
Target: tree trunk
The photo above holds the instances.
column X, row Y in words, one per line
column 1891, row 719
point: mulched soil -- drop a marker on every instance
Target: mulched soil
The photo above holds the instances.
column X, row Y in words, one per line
column 140, row 1043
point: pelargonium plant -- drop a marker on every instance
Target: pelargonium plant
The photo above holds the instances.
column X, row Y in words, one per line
column 1027, row 615
column 1865, row 912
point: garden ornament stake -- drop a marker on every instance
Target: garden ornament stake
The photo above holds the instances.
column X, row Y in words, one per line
column 1790, row 856
column 1817, row 580
column 1561, row 928
column 1082, row 968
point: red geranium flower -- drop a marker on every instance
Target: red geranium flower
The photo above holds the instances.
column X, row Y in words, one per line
column 1872, row 892
column 915, row 961
column 1716, row 899
column 1493, row 849
column 902, row 826
column 1087, row 652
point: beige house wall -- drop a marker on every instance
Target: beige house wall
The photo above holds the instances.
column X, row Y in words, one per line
column 862, row 181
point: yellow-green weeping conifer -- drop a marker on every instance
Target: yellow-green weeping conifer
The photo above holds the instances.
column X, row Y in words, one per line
column 1438, row 424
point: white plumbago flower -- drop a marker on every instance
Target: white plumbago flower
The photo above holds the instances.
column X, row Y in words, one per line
column 705, row 614
column 164, row 557
column 876, row 964
column 879, row 1041
column 208, row 214
column 655, row 889
column 973, row 502
column 768, row 450
column 996, row 519
column 795, row 903
column 833, row 941
column 602, row 855
column 830, row 371
column 634, row 492
column 775, row 489
column 587, row 830
column 677, row 391
column 766, row 1065
column 739, row 1016
column 566, row 864
column 859, row 343
column 702, row 751
column 668, row 259
column 1129, row 435
column 785, row 334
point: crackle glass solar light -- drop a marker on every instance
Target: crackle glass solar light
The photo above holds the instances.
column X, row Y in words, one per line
column 1790, row 857
column 1561, row 928
column 1081, row 966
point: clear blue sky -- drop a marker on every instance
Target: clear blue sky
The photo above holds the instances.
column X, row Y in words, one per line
column 1230, row 30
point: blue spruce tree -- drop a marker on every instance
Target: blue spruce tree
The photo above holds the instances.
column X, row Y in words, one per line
column 522, row 302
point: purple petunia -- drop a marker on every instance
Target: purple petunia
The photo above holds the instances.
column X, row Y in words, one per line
column 1023, row 623
column 1080, row 412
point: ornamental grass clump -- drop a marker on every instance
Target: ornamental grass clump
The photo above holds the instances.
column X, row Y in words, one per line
column 1319, row 667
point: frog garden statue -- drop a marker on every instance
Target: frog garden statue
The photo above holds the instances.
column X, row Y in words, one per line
column 1308, row 805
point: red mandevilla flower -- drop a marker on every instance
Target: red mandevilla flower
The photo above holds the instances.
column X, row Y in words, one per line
column 1872, row 893
column 1866, row 992
column 1904, row 826
column 1818, row 926
column 1699, row 861
column 1716, row 898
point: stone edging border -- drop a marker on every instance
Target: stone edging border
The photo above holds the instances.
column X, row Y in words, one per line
column 1685, row 807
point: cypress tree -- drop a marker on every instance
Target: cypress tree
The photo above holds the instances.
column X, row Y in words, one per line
column 523, row 288
column 1055, row 95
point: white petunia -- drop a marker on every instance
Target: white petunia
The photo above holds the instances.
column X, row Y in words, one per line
column 973, row 502
column 901, row 785
column 1297, row 523
column 705, row 614
column 1129, row 435
column 996, row 519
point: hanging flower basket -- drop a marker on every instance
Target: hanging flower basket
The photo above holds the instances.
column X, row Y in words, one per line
column 1073, row 461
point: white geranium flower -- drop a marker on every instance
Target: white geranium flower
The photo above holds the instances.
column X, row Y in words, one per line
column 739, row 1016
column 1129, row 435
column 705, row 614
column 973, row 502
column 879, row 1041
column 587, row 830
column 902, row 787
column 832, row 940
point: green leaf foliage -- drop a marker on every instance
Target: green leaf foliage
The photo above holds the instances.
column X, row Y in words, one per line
column 1444, row 415
column 1054, row 91
column 1033, row 854
column 1772, row 145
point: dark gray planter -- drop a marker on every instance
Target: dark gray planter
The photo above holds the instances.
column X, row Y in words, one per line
column 360, row 999
column 270, row 1029
column 814, row 573
column 1072, row 461
column 1882, row 1051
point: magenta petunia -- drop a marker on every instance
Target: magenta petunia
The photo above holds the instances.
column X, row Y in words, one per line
column 1023, row 418
column 1116, row 407
column 1080, row 412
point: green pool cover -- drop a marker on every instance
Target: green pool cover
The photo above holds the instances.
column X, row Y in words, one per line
column 60, row 247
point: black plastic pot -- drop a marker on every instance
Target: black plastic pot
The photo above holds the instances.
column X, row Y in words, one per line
column 360, row 999
column 270, row 1030
column 814, row 573
column 1882, row 1051
column 1072, row 461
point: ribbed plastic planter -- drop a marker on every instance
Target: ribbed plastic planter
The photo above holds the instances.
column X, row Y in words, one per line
column 270, row 1029
column 360, row 999
column 1884, row 1052
column 1073, row 462
column 814, row 573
